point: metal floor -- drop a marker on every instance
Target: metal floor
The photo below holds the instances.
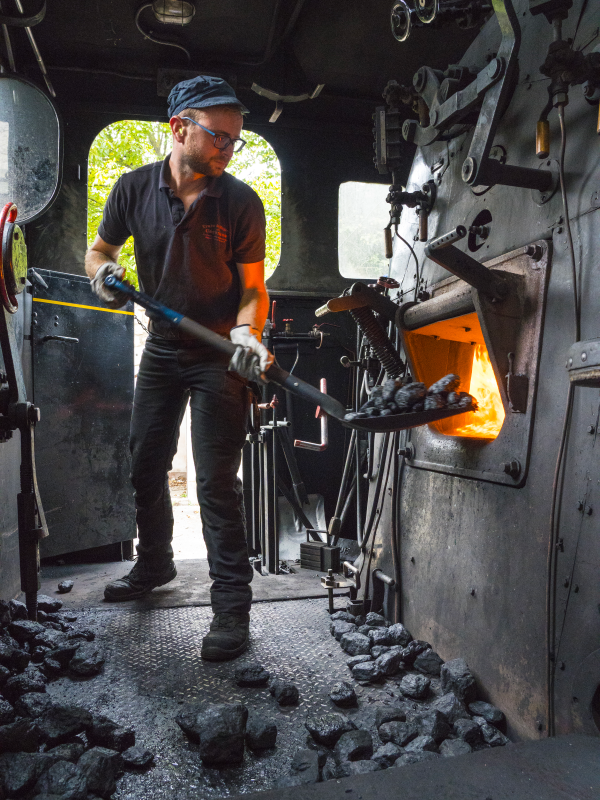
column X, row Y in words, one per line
column 153, row 664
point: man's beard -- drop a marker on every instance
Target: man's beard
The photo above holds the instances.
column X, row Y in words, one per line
column 197, row 165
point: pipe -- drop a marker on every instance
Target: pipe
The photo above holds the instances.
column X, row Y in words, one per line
column 317, row 447
column 36, row 52
column 381, row 576
column 8, row 45
column 336, row 522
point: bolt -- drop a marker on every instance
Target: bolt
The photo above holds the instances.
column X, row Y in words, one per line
column 407, row 452
column 576, row 588
column 540, row 726
column 412, row 559
column 589, row 511
column 534, row 250
column 469, row 168
column 584, row 356
column 591, row 429
column 566, row 582
column 570, row 362
column 472, row 592
column 559, row 229
column 580, row 505
column 512, row 468
column 561, row 665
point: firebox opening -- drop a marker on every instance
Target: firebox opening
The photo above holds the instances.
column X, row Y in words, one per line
column 457, row 345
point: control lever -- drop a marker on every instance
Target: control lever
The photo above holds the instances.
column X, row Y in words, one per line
column 444, row 253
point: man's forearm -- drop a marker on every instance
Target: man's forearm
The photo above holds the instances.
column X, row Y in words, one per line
column 253, row 310
column 93, row 261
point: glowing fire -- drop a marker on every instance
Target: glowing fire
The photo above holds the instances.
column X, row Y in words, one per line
column 488, row 419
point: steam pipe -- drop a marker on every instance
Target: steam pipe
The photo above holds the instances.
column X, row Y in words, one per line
column 444, row 253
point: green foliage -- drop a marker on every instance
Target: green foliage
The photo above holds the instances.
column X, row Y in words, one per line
column 127, row 145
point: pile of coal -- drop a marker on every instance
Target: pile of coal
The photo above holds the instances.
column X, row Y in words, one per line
column 48, row 749
column 401, row 396
column 437, row 713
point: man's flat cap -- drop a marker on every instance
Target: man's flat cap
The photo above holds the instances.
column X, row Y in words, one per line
column 202, row 92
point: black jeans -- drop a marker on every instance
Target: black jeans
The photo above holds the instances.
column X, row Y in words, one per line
column 169, row 374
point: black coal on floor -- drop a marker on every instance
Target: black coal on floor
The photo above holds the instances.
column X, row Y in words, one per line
column 47, row 749
column 429, row 710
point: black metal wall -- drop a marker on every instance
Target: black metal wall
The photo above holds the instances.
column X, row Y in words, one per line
column 474, row 552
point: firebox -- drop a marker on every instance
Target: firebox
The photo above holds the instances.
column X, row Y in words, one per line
column 494, row 346
column 457, row 345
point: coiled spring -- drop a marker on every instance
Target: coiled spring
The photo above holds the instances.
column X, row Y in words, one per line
column 379, row 341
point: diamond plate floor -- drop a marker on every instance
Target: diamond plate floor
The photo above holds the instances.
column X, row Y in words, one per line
column 153, row 665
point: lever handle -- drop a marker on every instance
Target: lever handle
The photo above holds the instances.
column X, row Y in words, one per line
column 317, row 447
column 54, row 338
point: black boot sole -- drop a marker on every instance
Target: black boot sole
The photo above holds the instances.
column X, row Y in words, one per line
column 135, row 594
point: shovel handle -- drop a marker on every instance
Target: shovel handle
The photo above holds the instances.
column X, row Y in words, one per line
column 274, row 373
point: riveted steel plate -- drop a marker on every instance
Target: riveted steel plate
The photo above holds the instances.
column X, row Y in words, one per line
column 153, row 665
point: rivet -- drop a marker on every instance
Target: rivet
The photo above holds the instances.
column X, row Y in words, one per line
column 591, row 429
column 412, row 560
column 570, row 362
column 584, row 356
column 562, row 665
column 589, row 511
column 576, row 588
column 472, row 592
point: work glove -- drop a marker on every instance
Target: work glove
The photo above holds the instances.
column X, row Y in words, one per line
column 111, row 297
column 251, row 358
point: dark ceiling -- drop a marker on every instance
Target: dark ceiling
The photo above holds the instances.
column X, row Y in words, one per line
column 288, row 46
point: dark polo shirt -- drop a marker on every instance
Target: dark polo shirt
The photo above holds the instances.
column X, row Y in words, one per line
column 187, row 260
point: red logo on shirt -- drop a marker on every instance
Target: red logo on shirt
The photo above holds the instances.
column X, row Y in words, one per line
column 216, row 233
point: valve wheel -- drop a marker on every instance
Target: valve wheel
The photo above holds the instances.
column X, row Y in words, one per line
column 7, row 298
column 426, row 10
column 400, row 21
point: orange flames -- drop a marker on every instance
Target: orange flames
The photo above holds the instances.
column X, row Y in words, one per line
column 488, row 419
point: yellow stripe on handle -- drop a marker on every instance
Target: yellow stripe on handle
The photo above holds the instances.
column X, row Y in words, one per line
column 77, row 305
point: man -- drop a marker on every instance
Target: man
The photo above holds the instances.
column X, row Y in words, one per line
column 199, row 237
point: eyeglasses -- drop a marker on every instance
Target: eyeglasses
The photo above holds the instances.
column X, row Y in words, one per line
column 221, row 142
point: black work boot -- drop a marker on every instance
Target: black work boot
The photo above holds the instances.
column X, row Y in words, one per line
column 141, row 580
column 227, row 637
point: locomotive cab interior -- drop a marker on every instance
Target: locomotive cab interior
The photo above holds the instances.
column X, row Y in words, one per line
column 418, row 476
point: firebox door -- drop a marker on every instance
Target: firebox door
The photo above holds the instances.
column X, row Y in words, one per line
column 495, row 348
